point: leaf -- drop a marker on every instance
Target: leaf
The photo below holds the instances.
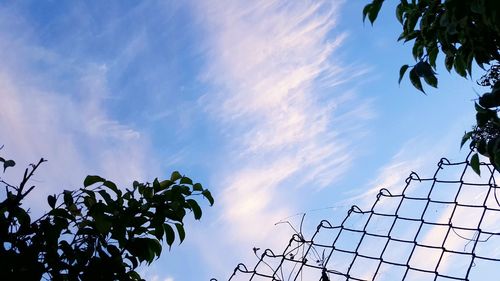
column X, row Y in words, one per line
column 399, row 12
column 159, row 231
column 195, row 208
column 147, row 192
column 448, row 62
column 66, row 249
column 156, row 246
column 411, row 22
column 481, row 146
column 175, row 176
column 156, row 185
column 468, row 63
column 73, row 209
column 366, row 10
column 140, row 249
column 90, row 180
column 465, row 138
column 477, row 8
column 197, row 187
column 107, row 198
column 459, row 65
column 412, row 35
column 375, row 9
column 89, row 201
column 401, row 36
column 68, row 198
column 479, row 108
column 415, row 80
column 490, row 100
column 7, row 164
column 426, row 69
column 165, row 184
column 186, row 180
column 474, row 163
column 209, row 197
column 22, row 217
column 134, row 262
column 482, row 118
column 169, row 233
column 151, row 248
column 418, row 49
column 51, row 199
column 61, row 213
column 184, row 190
column 180, row 230
column 497, row 160
column 111, row 185
column 433, row 52
column 113, row 250
column 102, row 223
column 87, row 231
column 431, row 80
column 402, row 71
column 138, row 221
column 135, row 184
column 132, row 274
column 179, row 214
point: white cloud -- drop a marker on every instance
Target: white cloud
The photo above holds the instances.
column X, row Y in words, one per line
column 156, row 277
column 272, row 66
column 70, row 128
column 420, row 155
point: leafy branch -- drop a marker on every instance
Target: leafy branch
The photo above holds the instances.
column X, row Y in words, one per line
column 98, row 232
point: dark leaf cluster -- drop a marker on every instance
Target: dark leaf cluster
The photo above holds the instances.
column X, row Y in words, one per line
column 98, row 232
column 463, row 31
column 485, row 135
column 491, row 77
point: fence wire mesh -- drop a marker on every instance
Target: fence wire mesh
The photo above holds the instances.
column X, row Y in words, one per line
column 446, row 227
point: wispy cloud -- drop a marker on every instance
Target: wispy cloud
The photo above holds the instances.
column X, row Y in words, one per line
column 272, row 65
column 72, row 128
column 419, row 154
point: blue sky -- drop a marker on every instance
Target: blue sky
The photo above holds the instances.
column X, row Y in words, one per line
column 278, row 107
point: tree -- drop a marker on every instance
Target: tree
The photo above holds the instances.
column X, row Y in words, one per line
column 462, row 31
column 98, row 232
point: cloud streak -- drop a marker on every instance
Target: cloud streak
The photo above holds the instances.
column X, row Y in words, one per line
column 72, row 128
column 268, row 63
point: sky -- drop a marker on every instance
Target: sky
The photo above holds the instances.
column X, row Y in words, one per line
column 277, row 107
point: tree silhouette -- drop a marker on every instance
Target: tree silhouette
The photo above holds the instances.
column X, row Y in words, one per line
column 97, row 232
column 462, row 31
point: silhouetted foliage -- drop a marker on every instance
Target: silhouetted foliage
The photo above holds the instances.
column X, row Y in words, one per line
column 462, row 31
column 97, row 232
